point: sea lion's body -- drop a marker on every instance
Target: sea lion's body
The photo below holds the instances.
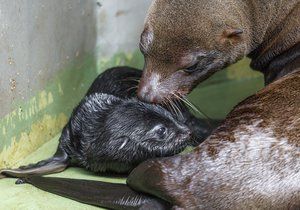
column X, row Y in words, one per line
column 252, row 161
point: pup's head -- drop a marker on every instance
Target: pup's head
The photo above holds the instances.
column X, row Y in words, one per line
column 186, row 41
column 142, row 131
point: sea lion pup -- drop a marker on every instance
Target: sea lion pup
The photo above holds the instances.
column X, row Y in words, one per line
column 110, row 131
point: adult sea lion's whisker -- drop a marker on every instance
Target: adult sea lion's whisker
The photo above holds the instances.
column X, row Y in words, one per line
column 198, row 109
column 132, row 88
column 178, row 109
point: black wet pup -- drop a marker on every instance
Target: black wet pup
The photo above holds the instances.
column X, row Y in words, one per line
column 112, row 131
column 123, row 82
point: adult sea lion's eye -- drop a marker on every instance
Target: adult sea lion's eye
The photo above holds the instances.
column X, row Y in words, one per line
column 192, row 68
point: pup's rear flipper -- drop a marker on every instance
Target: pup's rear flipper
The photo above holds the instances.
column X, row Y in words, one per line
column 107, row 195
column 57, row 163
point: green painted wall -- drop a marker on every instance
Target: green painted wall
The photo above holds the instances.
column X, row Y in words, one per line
column 39, row 119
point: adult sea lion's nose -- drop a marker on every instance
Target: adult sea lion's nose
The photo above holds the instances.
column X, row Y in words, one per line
column 148, row 94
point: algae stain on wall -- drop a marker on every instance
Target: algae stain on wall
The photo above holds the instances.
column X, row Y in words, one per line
column 33, row 123
column 17, row 146
column 28, row 142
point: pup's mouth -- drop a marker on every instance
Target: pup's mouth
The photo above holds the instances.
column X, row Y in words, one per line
column 180, row 142
column 169, row 147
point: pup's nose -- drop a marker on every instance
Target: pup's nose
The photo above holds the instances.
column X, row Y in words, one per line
column 185, row 130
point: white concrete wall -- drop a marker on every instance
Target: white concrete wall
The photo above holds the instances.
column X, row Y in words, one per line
column 119, row 25
column 37, row 39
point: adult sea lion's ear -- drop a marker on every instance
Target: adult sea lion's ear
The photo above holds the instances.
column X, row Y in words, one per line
column 232, row 32
column 231, row 35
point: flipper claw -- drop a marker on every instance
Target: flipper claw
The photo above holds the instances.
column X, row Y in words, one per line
column 21, row 181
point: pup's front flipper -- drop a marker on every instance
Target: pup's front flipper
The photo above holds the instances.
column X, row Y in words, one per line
column 55, row 164
column 107, row 195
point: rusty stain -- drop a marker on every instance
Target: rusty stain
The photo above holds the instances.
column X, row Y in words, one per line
column 120, row 12
column 13, row 84
column 10, row 61
column 99, row 4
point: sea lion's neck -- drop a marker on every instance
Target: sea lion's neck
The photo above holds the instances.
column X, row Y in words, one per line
column 284, row 64
column 275, row 36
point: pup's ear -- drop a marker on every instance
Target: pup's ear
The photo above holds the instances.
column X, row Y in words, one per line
column 122, row 141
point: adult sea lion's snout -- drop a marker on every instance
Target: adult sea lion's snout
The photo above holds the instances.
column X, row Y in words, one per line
column 163, row 85
column 148, row 89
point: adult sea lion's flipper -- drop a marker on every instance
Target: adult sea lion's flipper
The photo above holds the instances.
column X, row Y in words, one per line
column 107, row 195
column 57, row 163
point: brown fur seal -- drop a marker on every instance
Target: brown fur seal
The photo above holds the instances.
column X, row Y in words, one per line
column 186, row 41
column 252, row 161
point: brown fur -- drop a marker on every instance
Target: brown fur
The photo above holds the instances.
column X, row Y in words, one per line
column 180, row 30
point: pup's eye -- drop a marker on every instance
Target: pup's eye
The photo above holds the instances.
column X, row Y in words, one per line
column 161, row 131
column 192, row 68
